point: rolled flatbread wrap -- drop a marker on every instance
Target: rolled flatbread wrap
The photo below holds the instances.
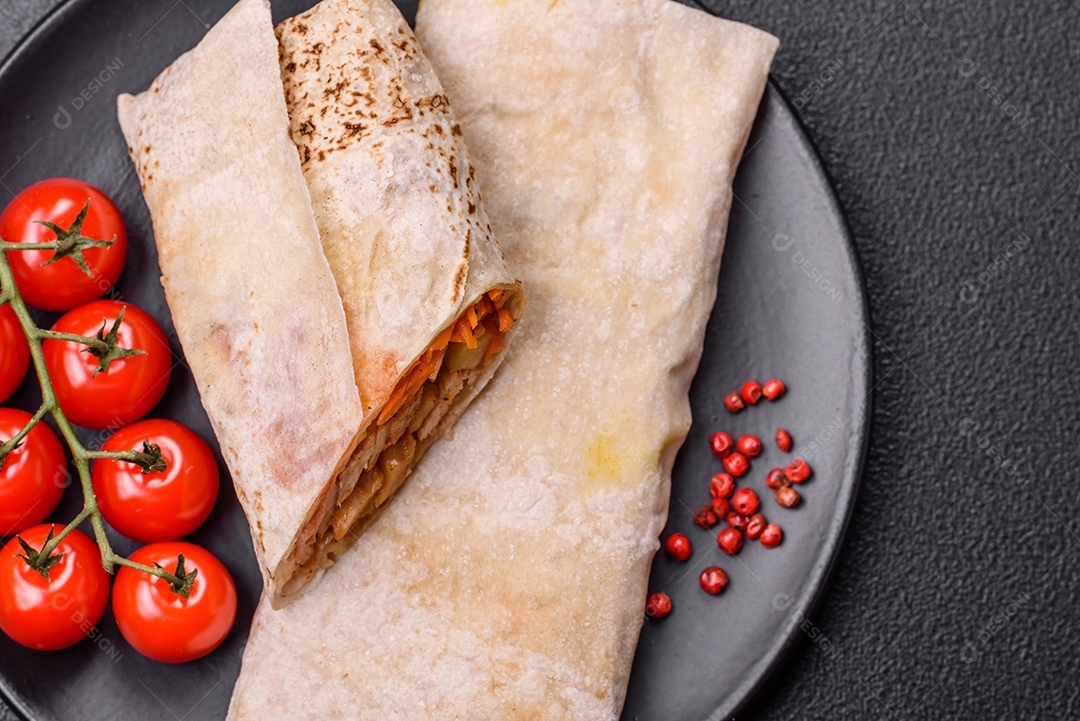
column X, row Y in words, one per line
column 327, row 364
column 508, row 580
column 428, row 298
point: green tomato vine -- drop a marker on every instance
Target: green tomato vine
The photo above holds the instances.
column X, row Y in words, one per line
column 68, row 248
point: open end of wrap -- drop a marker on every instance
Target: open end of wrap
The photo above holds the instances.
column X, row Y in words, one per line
column 422, row 405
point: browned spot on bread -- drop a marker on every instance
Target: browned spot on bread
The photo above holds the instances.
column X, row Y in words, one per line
column 463, row 269
column 379, row 378
column 334, row 91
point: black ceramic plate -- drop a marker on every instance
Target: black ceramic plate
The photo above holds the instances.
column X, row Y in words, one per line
column 790, row 305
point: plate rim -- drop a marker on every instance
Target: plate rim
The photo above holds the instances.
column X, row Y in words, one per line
column 820, row 578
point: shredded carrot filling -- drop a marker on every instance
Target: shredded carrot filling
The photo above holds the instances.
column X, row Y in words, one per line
column 463, row 333
column 424, row 368
column 506, row 320
column 443, row 339
column 494, row 346
column 490, row 311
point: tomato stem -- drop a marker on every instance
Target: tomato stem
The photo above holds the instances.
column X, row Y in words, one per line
column 179, row 585
column 12, row 443
column 49, row 547
column 52, row 245
column 149, row 458
column 57, row 335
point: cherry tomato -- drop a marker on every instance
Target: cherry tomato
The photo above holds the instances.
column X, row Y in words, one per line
column 49, row 614
column 161, row 505
column 14, row 353
column 131, row 386
column 33, row 476
column 163, row 625
column 63, row 285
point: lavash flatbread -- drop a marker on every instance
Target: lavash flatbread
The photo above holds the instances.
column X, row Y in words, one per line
column 508, row 580
column 407, row 237
column 250, row 291
column 325, row 381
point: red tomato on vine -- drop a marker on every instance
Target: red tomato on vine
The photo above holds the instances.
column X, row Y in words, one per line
column 159, row 505
column 68, row 210
column 53, row 611
column 130, row 386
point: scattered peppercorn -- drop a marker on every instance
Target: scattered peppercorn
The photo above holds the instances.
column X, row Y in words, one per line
column 733, row 403
column 798, row 471
column 777, row 479
column 745, row 501
column 749, row 446
column 773, row 389
column 755, row 526
column 713, row 580
column 788, row 497
column 736, row 464
column 730, row 541
column 737, row 521
column 678, row 545
column 721, row 444
column 751, row 392
column 783, row 440
column 722, row 485
column 705, row 518
column 739, row 508
column 658, row 606
column 771, row 536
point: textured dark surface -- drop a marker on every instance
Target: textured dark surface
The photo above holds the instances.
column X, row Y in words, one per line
column 948, row 130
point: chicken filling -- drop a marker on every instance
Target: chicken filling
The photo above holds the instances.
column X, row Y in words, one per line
column 407, row 424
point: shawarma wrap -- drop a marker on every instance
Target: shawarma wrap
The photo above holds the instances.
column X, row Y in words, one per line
column 327, row 260
column 508, row 581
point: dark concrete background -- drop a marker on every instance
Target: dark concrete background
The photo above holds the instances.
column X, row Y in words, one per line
column 950, row 135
